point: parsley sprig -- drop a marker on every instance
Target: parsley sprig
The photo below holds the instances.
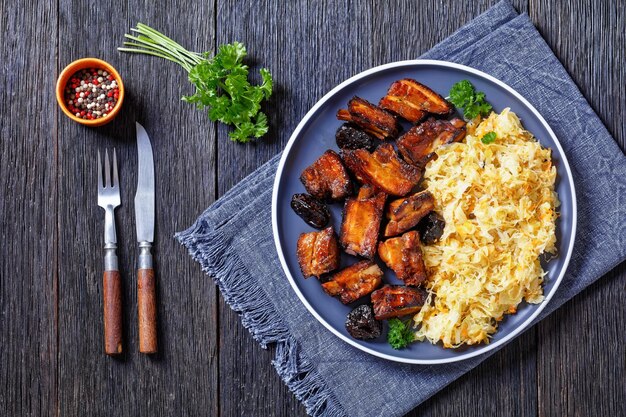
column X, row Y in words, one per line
column 221, row 81
column 489, row 137
column 400, row 334
column 464, row 95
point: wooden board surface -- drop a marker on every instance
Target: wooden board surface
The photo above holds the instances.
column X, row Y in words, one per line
column 183, row 378
column 572, row 363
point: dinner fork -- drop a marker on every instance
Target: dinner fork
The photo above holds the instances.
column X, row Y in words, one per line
column 109, row 199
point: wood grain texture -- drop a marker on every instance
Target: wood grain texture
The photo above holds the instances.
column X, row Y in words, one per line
column 582, row 354
column 182, row 378
column 359, row 36
column 296, row 42
column 28, row 185
column 147, row 311
column 572, row 363
column 112, row 309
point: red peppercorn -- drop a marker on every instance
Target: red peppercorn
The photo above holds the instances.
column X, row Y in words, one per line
column 105, row 88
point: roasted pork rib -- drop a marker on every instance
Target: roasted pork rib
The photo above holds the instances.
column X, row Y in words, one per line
column 412, row 100
column 327, row 178
column 354, row 282
column 382, row 169
column 318, row 252
column 397, row 300
column 420, row 142
column 404, row 255
column 370, row 117
column 361, row 222
column 405, row 213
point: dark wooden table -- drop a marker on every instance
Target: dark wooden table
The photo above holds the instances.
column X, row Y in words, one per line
column 52, row 361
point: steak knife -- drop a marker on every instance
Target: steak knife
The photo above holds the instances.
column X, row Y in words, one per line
column 144, row 218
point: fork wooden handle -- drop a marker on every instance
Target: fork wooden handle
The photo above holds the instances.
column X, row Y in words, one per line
column 147, row 311
column 112, row 285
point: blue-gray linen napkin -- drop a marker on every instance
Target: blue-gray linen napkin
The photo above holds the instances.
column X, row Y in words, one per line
column 327, row 374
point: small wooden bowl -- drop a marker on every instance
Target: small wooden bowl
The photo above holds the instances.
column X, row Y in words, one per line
column 76, row 66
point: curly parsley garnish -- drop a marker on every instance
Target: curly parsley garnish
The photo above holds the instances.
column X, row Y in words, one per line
column 489, row 137
column 400, row 334
column 221, row 82
column 464, row 95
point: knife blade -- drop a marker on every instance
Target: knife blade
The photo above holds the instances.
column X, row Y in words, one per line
column 144, row 220
column 144, row 197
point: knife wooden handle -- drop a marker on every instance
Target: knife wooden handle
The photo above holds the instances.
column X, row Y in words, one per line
column 147, row 312
column 112, row 284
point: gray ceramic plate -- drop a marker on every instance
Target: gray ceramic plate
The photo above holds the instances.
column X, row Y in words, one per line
column 316, row 133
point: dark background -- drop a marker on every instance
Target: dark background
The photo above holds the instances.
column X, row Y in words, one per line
column 51, row 348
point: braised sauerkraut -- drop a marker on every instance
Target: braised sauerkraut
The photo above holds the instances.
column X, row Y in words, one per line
column 499, row 204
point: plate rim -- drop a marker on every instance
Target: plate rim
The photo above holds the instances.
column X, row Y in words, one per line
column 280, row 169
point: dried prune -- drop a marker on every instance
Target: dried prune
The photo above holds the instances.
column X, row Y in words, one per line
column 361, row 323
column 349, row 137
column 431, row 228
column 311, row 210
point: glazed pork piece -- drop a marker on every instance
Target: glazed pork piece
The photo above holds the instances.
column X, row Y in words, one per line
column 327, row 178
column 382, row 169
column 419, row 144
column 361, row 222
column 397, row 300
column 412, row 101
column 318, row 252
column 404, row 255
column 370, row 117
column 354, row 282
column 405, row 213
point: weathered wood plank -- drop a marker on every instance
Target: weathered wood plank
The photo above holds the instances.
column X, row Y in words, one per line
column 581, row 352
column 182, row 378
column 296, row 41
column 569, row 374
column 28, row 182
column 503, row 385
column 588, row 37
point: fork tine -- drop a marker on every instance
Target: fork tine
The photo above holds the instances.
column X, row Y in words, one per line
column 99, row 172
column 115, row 178
column 107, row 169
